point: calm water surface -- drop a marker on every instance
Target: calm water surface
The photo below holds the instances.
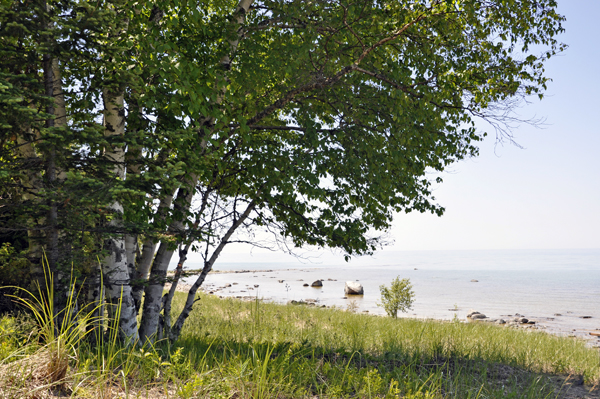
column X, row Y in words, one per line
column 537, row 284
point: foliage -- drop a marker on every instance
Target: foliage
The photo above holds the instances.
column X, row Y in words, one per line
column 398, row 297
column 314, row 121
column 14, row 267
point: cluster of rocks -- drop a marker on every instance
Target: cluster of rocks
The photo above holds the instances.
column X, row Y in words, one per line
column 306, row 302
column 350, row 288
column 517, row 320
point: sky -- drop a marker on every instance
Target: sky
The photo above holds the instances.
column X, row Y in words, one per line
column 545, row 195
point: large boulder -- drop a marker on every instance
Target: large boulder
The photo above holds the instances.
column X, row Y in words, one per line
column 353, row 288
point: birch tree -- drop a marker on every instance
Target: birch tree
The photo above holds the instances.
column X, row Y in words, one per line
column 318, row 120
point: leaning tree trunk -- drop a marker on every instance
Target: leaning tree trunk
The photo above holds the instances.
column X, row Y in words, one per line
column 164, row 327
column 158, row 273
column 155, row 287
column 175, row 331
column 115, row 268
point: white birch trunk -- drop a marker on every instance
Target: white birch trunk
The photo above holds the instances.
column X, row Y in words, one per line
column 130, row 251
column 115, row 270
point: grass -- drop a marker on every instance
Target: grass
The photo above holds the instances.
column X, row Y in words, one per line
column 235, row 349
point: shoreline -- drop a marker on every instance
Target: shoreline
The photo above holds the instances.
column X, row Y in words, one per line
column 590, row 335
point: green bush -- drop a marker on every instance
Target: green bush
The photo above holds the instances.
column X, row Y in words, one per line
column 398, row 297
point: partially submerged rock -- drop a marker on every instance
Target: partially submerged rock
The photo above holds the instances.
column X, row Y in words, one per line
column 353, row 288
column 317, row 283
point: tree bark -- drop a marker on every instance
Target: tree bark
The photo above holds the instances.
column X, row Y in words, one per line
column 115, row 270
column 158, row 273
column 148, row 252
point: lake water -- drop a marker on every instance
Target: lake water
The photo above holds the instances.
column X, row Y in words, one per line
column 554, row 287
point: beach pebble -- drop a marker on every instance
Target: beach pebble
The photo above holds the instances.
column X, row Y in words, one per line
column 317, row 283
column 305, row 285
column 353, row 288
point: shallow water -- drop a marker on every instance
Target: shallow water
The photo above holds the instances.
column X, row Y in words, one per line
column 536, row 284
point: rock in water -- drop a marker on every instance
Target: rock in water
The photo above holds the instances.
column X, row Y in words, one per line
column 317, row 283
column 353, row 288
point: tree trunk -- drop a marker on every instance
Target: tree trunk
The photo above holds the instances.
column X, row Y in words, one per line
column 154, row 289
column 189, row 303
column 59, row 248
column 115, row 270
column 148, row 250
column 165, row 328
column 158, row 273
column 32, row 184
column 130, row 251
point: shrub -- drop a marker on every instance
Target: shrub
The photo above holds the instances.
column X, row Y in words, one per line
column 398, row 297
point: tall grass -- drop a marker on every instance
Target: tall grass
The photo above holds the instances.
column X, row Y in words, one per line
column 231, row 348
column 336, row 353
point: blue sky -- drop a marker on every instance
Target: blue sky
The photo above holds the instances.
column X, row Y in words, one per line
column 543, row 196
column 546, row 195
